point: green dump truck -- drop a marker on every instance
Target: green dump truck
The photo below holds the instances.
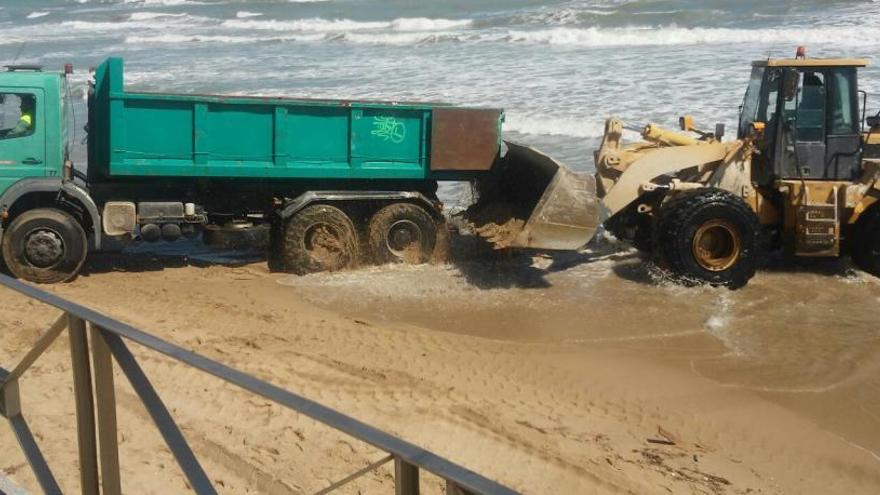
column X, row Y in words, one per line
column 326, row 184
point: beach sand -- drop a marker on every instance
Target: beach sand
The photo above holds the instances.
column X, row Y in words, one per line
column 554, row 415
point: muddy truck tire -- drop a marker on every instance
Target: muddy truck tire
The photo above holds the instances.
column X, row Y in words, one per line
column 707, row 236
column 316, row 239
column 45, row 246
column 865, row 244
column 401, row 233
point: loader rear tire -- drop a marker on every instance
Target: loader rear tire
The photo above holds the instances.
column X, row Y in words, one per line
column 45, row 246
column 318, row 238
column 402, row 233
column 707, row 236
column 865, row 247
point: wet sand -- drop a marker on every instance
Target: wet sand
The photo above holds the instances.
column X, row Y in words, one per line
column 552, row 375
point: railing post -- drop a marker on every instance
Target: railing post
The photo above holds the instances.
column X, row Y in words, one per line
column 105, row 397
column 406, row 478
column 85, row 407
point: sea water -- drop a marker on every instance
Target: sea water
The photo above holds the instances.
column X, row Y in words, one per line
column 559, row 68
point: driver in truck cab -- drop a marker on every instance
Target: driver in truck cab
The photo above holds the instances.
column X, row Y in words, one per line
column 26, row 121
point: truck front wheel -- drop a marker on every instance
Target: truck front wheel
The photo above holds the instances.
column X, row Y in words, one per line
column 318, row 238
column 45, row 246
column 707, row 236
column 402, row 233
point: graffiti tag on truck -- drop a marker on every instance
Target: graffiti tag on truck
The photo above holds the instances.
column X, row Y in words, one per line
column 389, row 129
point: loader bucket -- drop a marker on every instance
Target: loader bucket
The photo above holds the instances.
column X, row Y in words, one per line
column 530, row 200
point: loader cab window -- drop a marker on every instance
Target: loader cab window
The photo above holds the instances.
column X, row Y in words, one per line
column 810, row 120
column 749, row 110
column 17, row 115
column 844, row 103
column 820, row 133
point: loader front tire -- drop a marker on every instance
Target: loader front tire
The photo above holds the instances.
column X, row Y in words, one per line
column 45, row 246
column 318, row 238
column 865, row 247
column 707, row 236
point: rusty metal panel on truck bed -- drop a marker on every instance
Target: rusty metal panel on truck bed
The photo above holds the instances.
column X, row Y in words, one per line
column 465, row 138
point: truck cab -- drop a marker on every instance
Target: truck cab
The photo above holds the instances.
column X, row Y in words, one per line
column 41, row 150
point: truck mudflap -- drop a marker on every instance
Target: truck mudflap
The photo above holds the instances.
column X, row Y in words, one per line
column 530, row 200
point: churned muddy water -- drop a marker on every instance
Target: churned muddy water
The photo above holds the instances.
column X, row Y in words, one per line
column 806, row 336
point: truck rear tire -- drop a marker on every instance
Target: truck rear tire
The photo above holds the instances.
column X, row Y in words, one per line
column 402, row 233
column 318, row 238
column 865, row 246
column 707, row 236
column 45, row 246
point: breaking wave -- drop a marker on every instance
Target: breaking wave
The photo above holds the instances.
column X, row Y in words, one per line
column 343, row 25
column 553, row 126
column 415, row 31
column 597, row 37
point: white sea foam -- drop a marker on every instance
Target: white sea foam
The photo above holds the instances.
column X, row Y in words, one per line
column 313, row 25
column 553, row 126
column 244, row 14
column 423, row 30
column 396, row 38
column 208, row 38
column 426, row 24
column 598, row 37
column 142, row 21
column 37, row 15
column 348, row 25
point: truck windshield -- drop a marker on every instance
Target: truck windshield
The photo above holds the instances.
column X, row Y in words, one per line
column 751, row 101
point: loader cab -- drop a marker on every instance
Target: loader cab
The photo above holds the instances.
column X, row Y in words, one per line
column 806, row 113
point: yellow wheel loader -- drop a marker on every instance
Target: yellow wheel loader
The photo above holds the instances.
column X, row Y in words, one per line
column 802, row 176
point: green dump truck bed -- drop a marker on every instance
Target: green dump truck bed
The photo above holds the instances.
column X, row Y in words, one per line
column 137, row 134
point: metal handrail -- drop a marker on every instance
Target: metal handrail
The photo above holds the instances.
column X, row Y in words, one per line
column 408, row 457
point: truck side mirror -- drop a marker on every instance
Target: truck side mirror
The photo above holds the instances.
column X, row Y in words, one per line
column 873, row 121
column 790, row 81
column 719, row 131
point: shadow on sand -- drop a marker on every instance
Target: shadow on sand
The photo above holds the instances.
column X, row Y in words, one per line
column 486, row 268
column 158, row 257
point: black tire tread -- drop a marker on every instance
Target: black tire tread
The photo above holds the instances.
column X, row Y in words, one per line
column 678, row 215
column 57, row 274
column 865, row 243
column 295, row 258
column 382, row 219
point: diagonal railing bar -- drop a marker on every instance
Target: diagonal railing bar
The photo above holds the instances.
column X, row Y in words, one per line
column 167, row 427
column 355, row 475
column 39, row 348
column 408, row 457
column 33, row 455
